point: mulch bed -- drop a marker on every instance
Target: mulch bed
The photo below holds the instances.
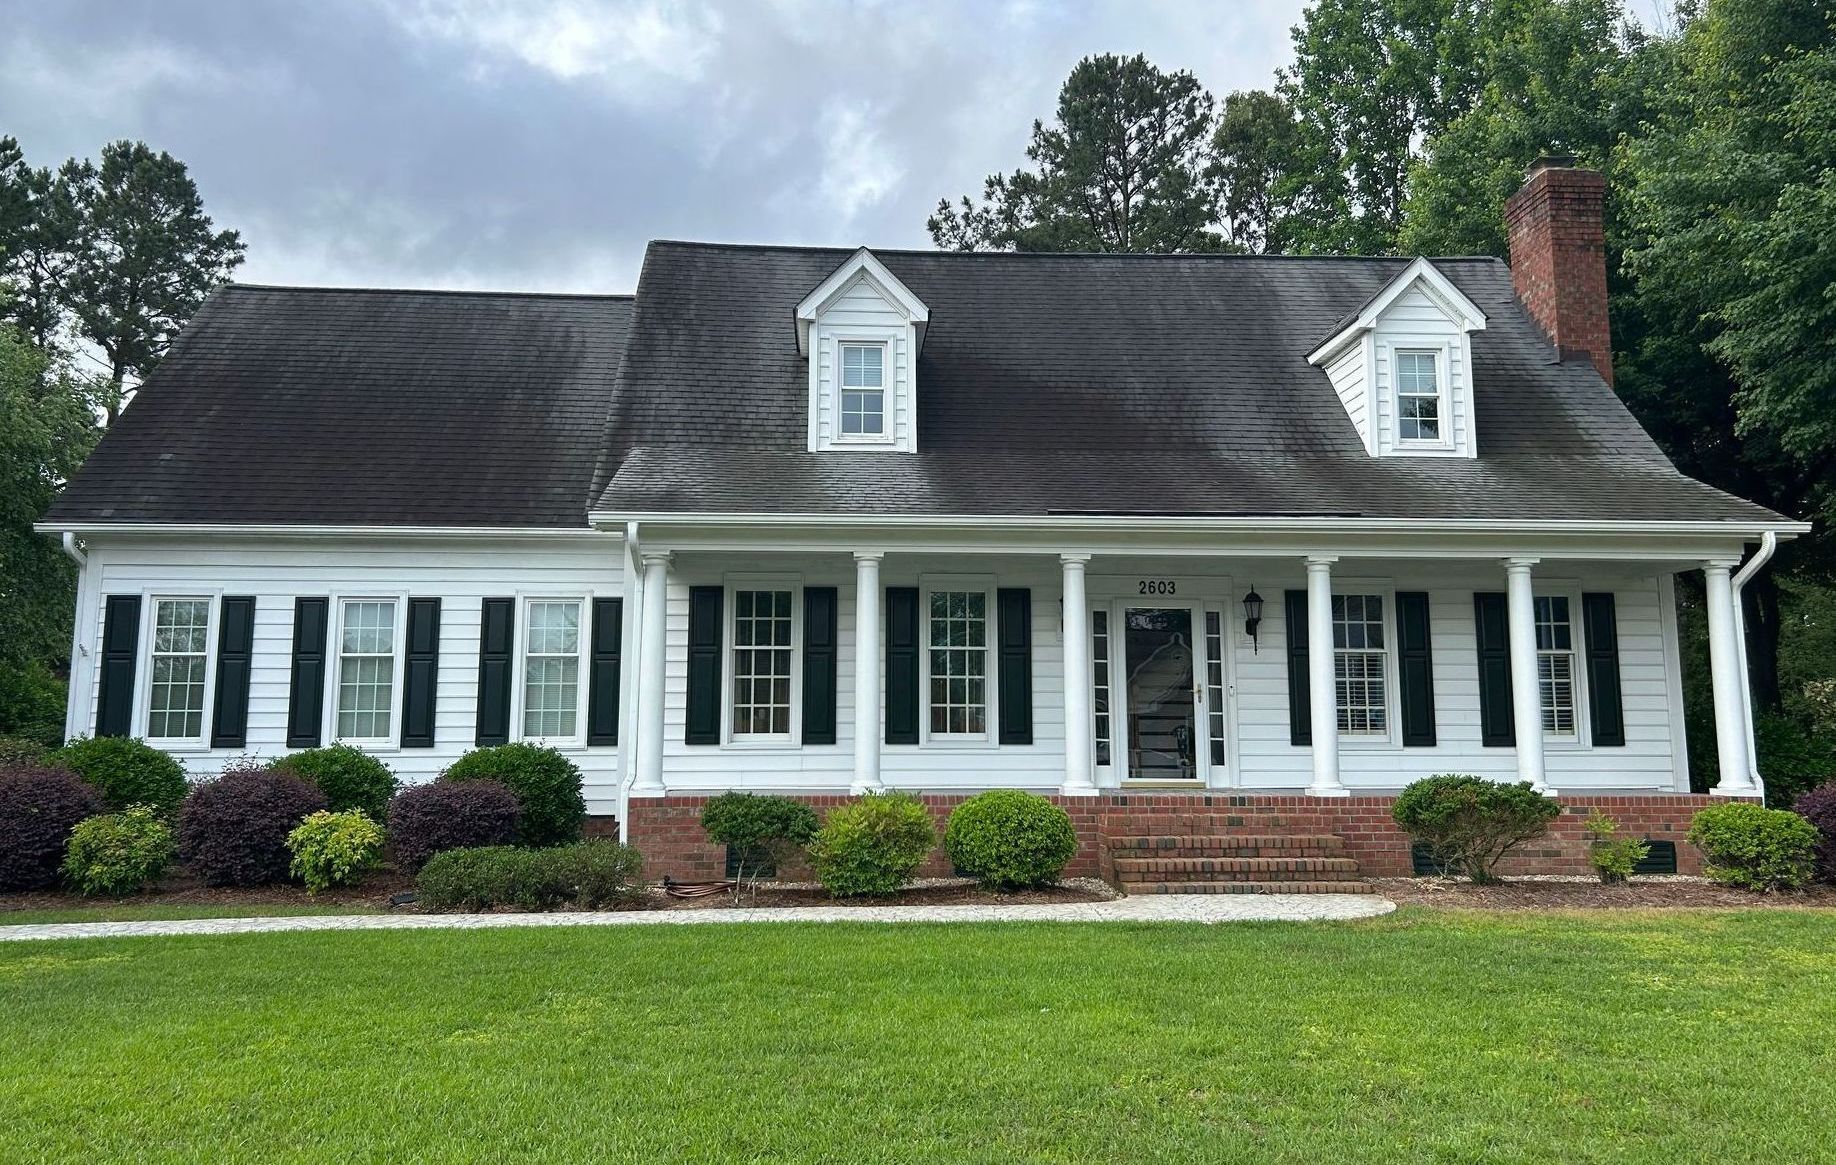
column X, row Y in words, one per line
column 1639, row 894
column 182, row 889
column 955, row 894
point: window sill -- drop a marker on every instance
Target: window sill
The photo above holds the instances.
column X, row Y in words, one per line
column 187, row 747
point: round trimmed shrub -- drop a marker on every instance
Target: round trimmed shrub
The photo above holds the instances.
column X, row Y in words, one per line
column 428, row 819
column 334, row 849
column 873, row 845
column 759, row 829
column 1009, row 838
column 349, row 777
column 1819, row 808
column 1468, row 823
column 126, row 772
column 118, row 854
column 546, row 784
column 233, row 830
column 39, row 806
column 1754, row 847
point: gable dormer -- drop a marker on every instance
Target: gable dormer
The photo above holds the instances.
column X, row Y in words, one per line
column 861, row 331
column 1402, row 366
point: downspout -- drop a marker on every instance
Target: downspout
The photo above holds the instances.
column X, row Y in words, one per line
column 1769, row 544
column 627, row 726
column 79, row 652
column 76, row 554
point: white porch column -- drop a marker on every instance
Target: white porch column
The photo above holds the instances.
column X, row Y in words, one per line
column 653, row 648
column 1526, row 687
column 1724, row 668
column 1079, row 730
column 1322, row 679
column 867, row 637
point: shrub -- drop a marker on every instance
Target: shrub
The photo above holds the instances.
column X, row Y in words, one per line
column 1819, row 808
column 1468, row 823
column 119, row 853
column 873, row 845
column 1613, row 856
column 39, row 806
column 18, row 750
column 334, row 849
column 233, row 830
column 427, row 819
column 126, row 772
column 587, row 874
column 349, row 777
column 759, row 830
column 32, row 703
column 1007, row 838
column 1754, row 847
column 1792, row 759
column 546, row 784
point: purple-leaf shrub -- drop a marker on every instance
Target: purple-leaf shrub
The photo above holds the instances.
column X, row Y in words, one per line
column 39, row 806
column 427, row 819
column 1819, row 808
column 233, row 830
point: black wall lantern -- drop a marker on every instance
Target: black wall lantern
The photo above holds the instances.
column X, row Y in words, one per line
column 1252, row 617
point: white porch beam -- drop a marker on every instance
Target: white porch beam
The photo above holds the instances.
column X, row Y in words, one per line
column 1731, row 709
column 653, row 647
column 1526, row 686
column 1080, row 745
column 867, row 638
column 1322, row 679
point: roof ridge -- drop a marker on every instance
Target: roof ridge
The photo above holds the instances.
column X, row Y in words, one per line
column 454, row 291
column 813, row 248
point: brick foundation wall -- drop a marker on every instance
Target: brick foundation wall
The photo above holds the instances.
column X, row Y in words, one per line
column 667, row 830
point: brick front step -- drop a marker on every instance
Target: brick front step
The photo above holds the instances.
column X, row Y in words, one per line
column 1349, row 887
column 1227, row 845
column 1234, row 869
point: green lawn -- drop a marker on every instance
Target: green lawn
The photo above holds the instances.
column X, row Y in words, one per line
column 134, row 912
column 1447, row 1037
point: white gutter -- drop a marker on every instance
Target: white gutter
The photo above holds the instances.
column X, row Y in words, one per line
column 76, row 554
column 1769, row 544
column 276, row 529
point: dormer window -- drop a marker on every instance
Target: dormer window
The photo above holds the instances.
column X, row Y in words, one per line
column 863, row 392
column 1418, row 396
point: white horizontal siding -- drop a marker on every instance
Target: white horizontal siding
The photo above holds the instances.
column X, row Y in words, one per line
column 862, row 313
column 1346, row 371
column 1415, row 320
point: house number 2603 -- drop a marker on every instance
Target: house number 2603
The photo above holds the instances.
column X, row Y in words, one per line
column 1156, row 586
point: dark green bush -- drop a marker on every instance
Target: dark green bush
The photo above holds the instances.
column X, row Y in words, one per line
column 1468, row 823
column 1008, row 838
column 760, row 830
column 233, row 830
column 428, row 819
column 32, row 702
column 1756, row 848
column 349, row 777
column 588, row 875
column 873, row 845
column 1793, row 759
column 126, row 772
column 18, row 750
column 118, row 854
column 39, row 806
column 546, row 784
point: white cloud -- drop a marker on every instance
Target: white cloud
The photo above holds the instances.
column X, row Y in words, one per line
column 859, row 168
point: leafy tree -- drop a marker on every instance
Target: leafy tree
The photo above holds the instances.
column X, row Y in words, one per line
column 44, row 250
column 148, row 256
column 1126, row 166
column 1265, row 171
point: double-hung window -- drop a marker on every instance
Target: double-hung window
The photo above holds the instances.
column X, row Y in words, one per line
column 863, row 391
column 1418, row 396
column 957, row 635
column 1360, row 665
column 368, row 640
column 551, row 669
column 762, row 664
column 180, row 663
column 1555, row 665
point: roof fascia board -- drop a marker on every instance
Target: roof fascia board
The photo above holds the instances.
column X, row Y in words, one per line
column 1438, row 287
column 265, row 529
column 863, row 264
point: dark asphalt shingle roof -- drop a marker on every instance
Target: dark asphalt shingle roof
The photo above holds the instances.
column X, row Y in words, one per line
column 1104, row 384
column 353, row 407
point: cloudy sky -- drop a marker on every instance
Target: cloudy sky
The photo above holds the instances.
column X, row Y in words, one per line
column 501, row 144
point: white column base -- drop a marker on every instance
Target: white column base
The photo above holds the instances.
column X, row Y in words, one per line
column 1078, row 790
column 1328, row 791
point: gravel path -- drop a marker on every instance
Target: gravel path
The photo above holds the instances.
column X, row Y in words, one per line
column 1142, row 908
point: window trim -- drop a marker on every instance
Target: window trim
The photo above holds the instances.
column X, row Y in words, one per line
column 731, row 585
column 1408, row 346
column 518, row 694
column 988, row 739
column 887, row 375
column 1583, row 735
column 1391, row 738
column 143, row 680
column 334, row 673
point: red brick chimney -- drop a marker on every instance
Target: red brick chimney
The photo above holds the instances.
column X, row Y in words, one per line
column 1558, row 257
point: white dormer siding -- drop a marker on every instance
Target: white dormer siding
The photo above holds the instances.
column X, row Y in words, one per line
column 861, row 331
column 1402, row 367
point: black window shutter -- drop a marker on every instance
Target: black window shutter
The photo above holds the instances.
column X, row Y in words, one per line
column 120, row 648
column 306, row 693
column 229, row 718
column 901, row 665
column 421, row 673
column 1014, row 634
column 819, row 661
column 1606, row 710
column 703, row 720
column 1415, row 668
column 603, row 671
column 496, row 661
column 1300, row 710
column 1492, row 631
